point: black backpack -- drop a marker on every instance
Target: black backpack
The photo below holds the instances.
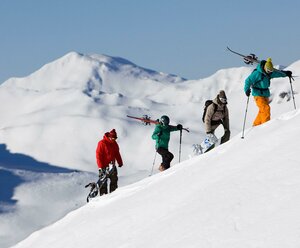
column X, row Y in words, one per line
column 207, row 103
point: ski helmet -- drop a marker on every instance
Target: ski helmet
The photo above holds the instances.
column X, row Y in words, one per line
column 165, row 120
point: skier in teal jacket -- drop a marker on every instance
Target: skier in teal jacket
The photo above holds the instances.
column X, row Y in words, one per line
column 162, row 136
column 259, row 81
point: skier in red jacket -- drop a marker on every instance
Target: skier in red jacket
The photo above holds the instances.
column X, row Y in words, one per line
column 106, row 154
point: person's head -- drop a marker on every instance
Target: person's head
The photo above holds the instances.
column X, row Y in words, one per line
column 112, row 134
column 164, row 120
column 268, row 67
column 222, row 97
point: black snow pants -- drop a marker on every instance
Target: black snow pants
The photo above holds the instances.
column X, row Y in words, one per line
column 113, row 177
column 167, row 157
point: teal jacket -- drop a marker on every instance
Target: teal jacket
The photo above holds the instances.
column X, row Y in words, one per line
column 163, row 140
column 259, row 80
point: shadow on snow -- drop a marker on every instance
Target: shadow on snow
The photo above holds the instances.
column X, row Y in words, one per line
column 10, row 162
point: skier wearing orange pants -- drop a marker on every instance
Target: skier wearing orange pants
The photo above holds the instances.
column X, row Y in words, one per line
column 259, row 81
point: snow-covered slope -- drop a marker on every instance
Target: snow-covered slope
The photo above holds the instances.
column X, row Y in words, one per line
column 52, row 120
column 242, row 194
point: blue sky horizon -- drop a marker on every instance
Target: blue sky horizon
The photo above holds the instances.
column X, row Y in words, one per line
column 186, row 38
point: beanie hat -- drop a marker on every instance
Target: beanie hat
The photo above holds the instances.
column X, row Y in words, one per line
column 113, row 134
column 222, row 94
column 269, row 66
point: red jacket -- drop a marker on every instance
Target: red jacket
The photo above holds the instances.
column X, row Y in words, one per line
column 107, row 151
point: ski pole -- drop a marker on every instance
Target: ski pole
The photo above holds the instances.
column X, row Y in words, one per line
column 292, row 92
column 245, row 117
column 153, row 163
column 180, row 144
column 154, row 157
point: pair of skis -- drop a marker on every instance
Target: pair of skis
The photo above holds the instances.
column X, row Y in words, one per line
column 147, row 121
column 248, row 59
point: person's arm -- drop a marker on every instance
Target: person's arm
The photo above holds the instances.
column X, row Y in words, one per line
column 118, row 156
column 278, row 74
column 174, row 128
column 208, row 116
column 99, row 156
column 253, row 78
column 226, row 120
column 157, row 132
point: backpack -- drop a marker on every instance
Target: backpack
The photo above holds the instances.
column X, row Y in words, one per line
column 207, row 103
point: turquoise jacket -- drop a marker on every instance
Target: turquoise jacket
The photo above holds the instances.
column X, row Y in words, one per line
column 163, row 140
column 259, row 80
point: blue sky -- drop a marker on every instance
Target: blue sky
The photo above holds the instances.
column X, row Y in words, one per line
column 187, row 38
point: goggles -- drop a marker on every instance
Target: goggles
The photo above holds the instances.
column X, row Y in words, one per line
column 269, row 70
column 223, row 100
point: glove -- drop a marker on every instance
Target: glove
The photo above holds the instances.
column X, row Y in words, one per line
column 120, row 165
column 101, row 172
column 248, row 92
column 179, row 127
column 288, row 73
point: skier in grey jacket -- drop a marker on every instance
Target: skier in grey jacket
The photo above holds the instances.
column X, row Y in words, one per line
column 216, row 114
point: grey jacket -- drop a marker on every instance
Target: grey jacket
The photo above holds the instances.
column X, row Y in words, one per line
column 214, row 118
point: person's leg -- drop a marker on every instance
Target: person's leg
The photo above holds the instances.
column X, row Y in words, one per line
column 264, row 111
column 167, row 157
column 225, row 137
column 113, row 180
column 103, row 188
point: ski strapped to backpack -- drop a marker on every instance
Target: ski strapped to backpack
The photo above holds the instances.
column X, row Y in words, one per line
column 147, row 121
column 251, row 59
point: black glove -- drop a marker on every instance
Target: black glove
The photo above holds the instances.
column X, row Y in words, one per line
column 288, row 73
column 159, row 134
column 179, row 127
column 101, row 172
column 248, row 92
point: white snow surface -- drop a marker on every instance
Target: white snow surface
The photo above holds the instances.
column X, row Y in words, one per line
column 243, row 193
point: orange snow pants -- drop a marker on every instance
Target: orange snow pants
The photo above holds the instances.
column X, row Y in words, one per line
column 264, row 112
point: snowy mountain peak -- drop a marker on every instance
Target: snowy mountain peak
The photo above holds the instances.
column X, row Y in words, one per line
column 78, row 71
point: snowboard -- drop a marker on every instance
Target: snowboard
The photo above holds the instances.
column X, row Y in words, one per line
column 96, row 186
column 205, row 146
